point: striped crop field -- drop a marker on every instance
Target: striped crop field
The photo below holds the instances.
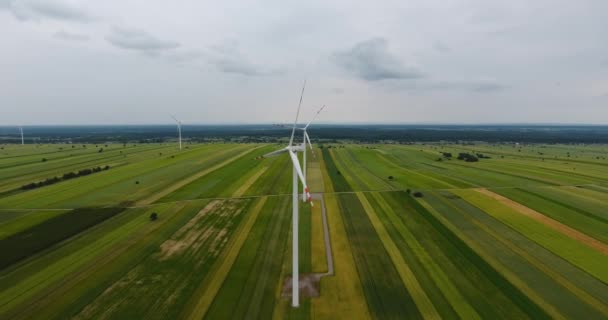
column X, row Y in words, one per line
column 130, row 231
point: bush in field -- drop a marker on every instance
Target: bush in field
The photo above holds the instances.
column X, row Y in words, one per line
column 153, row 216
column 418, row 194
column 408, row 191
column 447, row 154
column 467, row 157
column 137, row 182
column 390, row 178
column 43, row 159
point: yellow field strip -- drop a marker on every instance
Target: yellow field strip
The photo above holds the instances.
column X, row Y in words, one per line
column 317, row 248
column 458, row 302
column 553, row 224
column 216, row 277
column 508, row 274
column 243, row 188
column 426, row 307
column 342, row 294
column 192, row 178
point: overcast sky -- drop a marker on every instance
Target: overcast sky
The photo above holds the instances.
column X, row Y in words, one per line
column 416, row 61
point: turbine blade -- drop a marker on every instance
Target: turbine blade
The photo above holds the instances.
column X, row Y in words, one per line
column 309, row 145
column 296, row 164
column 275, row 153
column 313, row 118
column 293, row 131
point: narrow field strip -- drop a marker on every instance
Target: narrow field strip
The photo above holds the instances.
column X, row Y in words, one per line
column 555, row 225
column 243, row 188
column 506, row 273
column 588, row 259
column 457, row 301
column 425, row 306
column 198, row 175
column 560, row 283
column 218, row 274
column 342, row 293
column 559, row 278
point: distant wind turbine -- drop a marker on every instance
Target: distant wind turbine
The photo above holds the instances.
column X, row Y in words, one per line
column 292, row 150
column 21, row 131
column 179, row 130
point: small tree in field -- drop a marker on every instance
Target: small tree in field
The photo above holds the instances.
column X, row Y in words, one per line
column 390, row 177
column 153, row 216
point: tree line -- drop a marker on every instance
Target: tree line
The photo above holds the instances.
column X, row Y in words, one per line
column 66, row 176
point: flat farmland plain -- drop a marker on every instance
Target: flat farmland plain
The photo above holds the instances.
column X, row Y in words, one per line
column 413, row 232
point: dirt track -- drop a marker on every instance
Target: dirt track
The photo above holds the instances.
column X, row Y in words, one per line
column 556, row 225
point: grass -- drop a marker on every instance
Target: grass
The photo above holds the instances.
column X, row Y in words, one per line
column 221, row 247
column 562, row 288
column 437, row 283
column 17, row 221
column 591, row 223
column 48, row 233
column 216, row 276
column 250, row 285
column 582, row 256
column 386, row 296
column 424, row 304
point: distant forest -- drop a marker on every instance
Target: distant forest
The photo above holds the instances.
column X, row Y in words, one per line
column 322, row 133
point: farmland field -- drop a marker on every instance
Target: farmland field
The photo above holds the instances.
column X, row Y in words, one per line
column 205, row 232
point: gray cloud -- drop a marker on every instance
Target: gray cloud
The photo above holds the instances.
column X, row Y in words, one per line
column 138, row 40
column 46, row 9
column 441, row 47
column 64, row 35
column 228, row 59
column 370, row 60
column 472, row 85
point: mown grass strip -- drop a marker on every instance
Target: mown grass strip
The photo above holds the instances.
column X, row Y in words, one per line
column 424, row 304
column 249, row 288
column 545, row 220
column 25, row 220
column 452, row 294
column 565, row 205
column 168, row 190
column 542, row 266
column 39, row 275
column 39, row 237
column 250, row 181
column 502, row 277
column 218, row 274
column 387, row 298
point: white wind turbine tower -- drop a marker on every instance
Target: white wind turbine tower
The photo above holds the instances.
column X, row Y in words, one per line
column 305, row 140
column 179, row 130
column 292, row 150
column 21, row 131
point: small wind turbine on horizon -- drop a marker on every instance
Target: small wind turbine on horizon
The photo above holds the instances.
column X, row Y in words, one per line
column 179, row 130
column 21, row 131
column 292, row 150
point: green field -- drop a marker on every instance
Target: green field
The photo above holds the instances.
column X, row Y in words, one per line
column 520, row 234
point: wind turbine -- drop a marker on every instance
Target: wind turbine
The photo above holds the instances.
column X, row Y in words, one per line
column 21, row 130
column 306, row 139
column 179, row 130
column 292, row 150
